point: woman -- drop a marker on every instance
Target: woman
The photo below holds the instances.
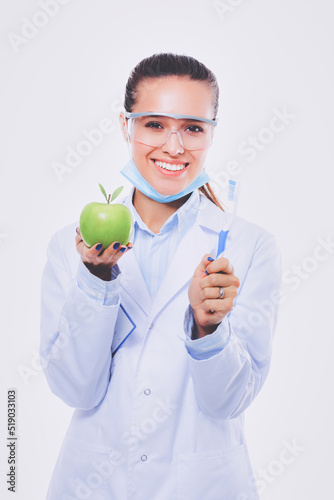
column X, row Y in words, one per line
column 161, row 348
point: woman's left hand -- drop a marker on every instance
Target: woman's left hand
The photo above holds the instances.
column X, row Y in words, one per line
column 204, row 291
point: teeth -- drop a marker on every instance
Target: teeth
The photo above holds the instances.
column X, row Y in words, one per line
column 169, row 166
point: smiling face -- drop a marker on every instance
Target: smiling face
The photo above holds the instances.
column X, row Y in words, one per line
column 170, row 168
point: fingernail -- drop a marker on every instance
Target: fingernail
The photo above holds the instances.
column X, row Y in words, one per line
column 206, row 271
column 98, row 247
column 76, row 230
column 116, row 245
column 210, row 259
column 130, row 248
column 123, row 249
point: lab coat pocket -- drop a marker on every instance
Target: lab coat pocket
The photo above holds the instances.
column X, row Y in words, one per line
column 213, row 475
column 82, row 471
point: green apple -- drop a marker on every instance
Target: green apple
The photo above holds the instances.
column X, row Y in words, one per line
column 106, row 222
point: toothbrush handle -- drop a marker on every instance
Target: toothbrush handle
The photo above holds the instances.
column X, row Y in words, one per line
column 221, row 245
column 221, row 242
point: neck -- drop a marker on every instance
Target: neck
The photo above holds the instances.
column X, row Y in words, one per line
column 153, row 213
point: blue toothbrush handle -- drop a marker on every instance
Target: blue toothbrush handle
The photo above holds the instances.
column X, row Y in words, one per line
column 221, row 244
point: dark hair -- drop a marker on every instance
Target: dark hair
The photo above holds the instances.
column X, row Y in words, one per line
column 168, row 64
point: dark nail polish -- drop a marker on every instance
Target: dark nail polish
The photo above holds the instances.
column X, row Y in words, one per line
column 210, row 259
column 206, row 271
column 116, row 245
column 123, row 249
column 129, row 248
column 98, row 247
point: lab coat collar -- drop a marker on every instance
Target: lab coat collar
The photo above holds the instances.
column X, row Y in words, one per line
column 179, row 218
column 211, row 218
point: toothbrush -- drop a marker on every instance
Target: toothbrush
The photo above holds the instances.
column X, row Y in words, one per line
column 232, row 197
column 233, row 188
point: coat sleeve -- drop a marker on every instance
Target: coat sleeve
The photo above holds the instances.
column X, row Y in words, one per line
column 226, row 384
column 76, row 334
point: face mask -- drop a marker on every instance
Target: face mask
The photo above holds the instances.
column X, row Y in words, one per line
column 131, row 172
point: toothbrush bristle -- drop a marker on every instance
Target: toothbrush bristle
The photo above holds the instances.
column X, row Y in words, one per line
column 231, row 189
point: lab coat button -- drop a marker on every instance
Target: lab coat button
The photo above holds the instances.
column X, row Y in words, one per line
column 143, row 458
column 147, row 392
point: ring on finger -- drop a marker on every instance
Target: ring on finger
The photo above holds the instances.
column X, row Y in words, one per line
column 221, row 292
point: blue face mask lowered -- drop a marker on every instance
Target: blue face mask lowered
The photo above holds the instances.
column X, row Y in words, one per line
column 133, row 175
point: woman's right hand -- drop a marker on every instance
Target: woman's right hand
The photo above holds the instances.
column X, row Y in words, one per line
column 100, row 261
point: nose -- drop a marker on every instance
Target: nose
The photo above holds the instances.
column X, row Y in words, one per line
column 173, row 144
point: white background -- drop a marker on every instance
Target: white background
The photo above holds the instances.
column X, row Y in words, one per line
column 68, row 77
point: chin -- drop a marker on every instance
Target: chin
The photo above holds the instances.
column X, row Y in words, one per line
column 168, row 191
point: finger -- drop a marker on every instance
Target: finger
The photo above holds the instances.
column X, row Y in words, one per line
column 93, row 253
column 80, row 244
column 78, row 236
column 223, row 306
column 111, row 250
column 216, row 279
column 201, row 268
column 78, row 239
column 124, row 249
column 115, row 250
column 220, row 265
column 209, row 292
column 214, row 292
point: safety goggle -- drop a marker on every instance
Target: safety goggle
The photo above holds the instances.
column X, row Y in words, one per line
column 154, row 129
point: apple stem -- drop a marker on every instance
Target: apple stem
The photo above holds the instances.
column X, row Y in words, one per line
column 109, row 196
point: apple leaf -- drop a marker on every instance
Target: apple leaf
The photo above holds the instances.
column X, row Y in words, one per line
column 116, row 193
column 103, row 192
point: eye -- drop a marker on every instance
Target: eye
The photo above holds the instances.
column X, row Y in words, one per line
column 154, row 125
column 194, row 129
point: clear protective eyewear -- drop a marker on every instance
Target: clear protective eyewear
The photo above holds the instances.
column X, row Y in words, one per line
column 154, row 129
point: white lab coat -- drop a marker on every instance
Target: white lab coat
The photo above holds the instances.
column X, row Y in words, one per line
column 151, row 422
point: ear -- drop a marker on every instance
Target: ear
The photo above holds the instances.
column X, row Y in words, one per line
column 122, row 122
